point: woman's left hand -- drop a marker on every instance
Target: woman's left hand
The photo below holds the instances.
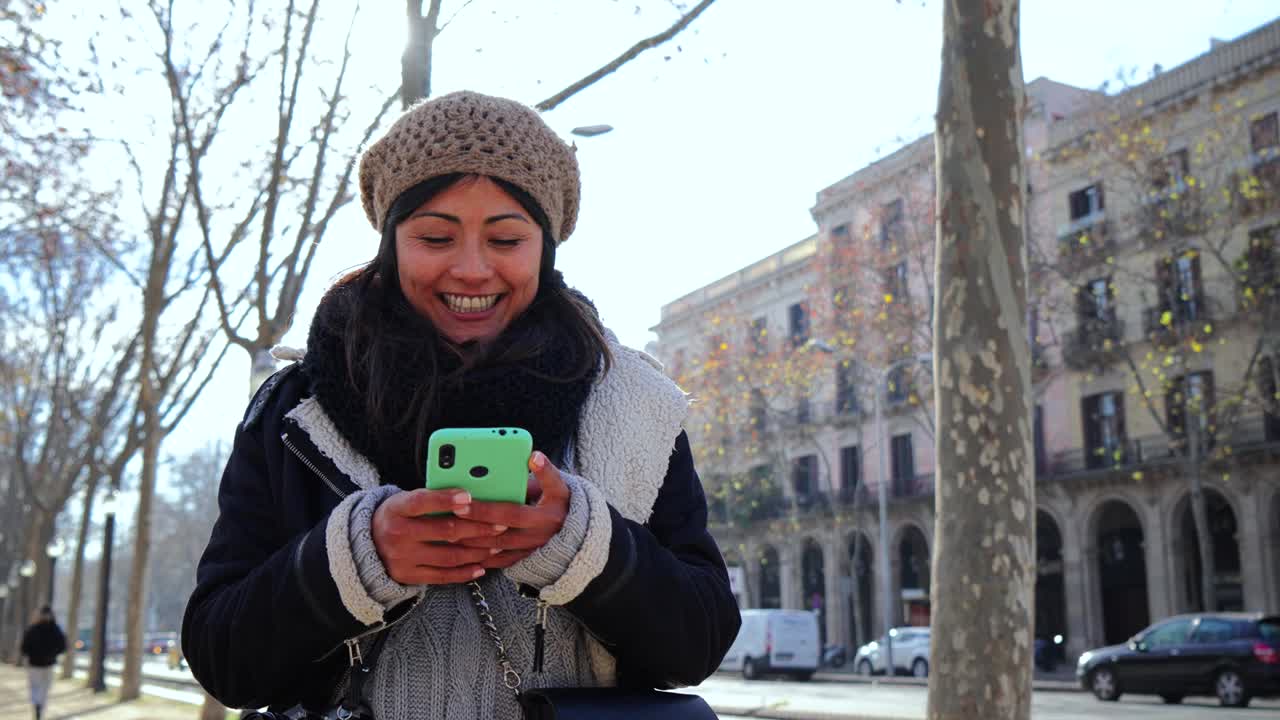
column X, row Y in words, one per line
column 530, row 526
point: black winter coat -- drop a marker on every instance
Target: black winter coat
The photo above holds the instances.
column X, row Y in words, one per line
column 42, row 643
column 265, row 624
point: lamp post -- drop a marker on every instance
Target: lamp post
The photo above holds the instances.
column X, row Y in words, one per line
column 97, row 670
column 54, row 551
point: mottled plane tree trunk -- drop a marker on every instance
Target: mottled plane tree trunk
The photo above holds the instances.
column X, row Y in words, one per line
column 983, row 568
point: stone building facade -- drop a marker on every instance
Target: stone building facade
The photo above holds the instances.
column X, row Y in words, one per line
column 1120, row 246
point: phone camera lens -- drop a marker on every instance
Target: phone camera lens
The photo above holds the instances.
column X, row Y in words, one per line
column 502, row 432
column 447, row 456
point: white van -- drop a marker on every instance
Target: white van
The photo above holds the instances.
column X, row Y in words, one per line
column 775, row 641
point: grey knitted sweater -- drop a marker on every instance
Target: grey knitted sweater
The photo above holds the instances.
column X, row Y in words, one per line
column 438, row 663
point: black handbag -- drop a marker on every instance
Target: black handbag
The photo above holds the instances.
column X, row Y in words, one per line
column 352, row 705
column 612, row 704
column 584, row 703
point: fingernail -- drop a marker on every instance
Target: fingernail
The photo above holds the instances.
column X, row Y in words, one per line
column 539, row 460
column 462, row 498
column 499, row 528
column 478, row 572
column 462, row 510
column 494, row 551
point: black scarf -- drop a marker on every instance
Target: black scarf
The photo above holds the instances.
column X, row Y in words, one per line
column 534, row 395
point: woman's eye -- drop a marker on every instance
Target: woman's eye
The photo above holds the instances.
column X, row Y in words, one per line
column 507, row 242
column 433, row 240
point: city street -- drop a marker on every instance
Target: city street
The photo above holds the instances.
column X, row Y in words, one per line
column 851, row 699
column 879, row 701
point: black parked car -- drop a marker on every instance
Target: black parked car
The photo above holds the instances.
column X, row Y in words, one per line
column 1235, row 656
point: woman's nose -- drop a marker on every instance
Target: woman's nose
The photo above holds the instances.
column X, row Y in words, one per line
column 471, row 264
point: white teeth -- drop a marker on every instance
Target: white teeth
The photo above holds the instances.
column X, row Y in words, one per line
column 469, row 303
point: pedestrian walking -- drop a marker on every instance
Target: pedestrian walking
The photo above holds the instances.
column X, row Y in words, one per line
column 326, row 537
column 42, row 643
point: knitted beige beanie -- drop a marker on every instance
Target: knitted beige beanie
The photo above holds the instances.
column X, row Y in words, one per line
column 470, row 133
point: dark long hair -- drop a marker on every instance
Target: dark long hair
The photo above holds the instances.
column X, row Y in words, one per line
column 386, row 337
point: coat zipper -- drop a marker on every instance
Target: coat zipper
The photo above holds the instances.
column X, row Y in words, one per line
column 284, row 438
column 354, row 655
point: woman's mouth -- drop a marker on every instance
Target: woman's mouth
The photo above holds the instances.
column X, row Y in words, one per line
column 469, row 304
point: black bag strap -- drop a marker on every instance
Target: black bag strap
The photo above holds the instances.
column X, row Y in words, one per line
column 360, row 673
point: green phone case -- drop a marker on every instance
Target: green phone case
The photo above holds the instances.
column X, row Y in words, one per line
column 490, row 463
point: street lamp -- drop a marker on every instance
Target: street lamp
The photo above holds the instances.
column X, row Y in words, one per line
column 27, row 569
column 97, row 671
column 882, row 495
column 591, row 130
column 54, row 551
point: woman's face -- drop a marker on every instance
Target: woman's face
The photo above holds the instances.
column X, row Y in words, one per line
column 468, row 259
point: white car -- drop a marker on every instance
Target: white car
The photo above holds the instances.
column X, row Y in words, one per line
column 910, row 653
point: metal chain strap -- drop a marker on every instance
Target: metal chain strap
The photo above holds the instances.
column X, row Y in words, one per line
column 510, row 677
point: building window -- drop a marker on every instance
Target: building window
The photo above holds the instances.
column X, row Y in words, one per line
column 759, row 336
column 895, row 282
column 1104, row 435
column 892, row 223
column 804, row 413
column 850, row 470
column 1269, row 391
column 798, row 324
column 897, row 385
column 678, row 364
column 804, row 476
column 846, row 389
column 1261, row 273
column 1086, row 202
column 903, row 465
column 759, row 414
column 1037, row 439
column 840, row 235
column 1188, row 409
column 1167, row 172
column 1095, row 302
column 1180, row 287
column 1264, row 133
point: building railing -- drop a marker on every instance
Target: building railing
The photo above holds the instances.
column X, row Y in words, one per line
column 1246, row 436
column 1164, row 325
column 1085, row 242
column 1095, row 342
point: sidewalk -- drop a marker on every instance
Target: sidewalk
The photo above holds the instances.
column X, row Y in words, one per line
column 71, row 699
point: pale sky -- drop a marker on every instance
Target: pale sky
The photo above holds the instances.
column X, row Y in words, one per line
column 719, row 151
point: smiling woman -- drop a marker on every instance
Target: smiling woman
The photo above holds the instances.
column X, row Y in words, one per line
column 326, row 537
column 469, row 258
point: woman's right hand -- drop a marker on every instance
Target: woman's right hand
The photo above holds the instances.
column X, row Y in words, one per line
column 417, row 548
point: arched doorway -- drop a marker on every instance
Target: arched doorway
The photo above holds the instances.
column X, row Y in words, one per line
column 1223, row 531
column 1051, row 598
column 770, row 578
column 813, row 584
column 913, row 576
column 1122, row 572
column 861, row 596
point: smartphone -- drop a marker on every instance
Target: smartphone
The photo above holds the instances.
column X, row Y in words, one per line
column 490, row 463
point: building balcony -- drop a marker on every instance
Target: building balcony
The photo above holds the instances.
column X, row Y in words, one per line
column 1256, row 186
column 1094, row 343
column 1084, row 242
column 914, row 486
column 1244, row 440
column 1166, row 325
column 1175, row 212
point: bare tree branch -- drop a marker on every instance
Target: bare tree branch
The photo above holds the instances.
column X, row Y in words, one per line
column 647, row 44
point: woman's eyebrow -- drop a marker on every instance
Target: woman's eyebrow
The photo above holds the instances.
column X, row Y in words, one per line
column 455, row 219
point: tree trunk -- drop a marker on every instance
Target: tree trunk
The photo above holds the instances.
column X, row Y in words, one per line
column 72, row 621
column 984, row 558
column 263, row 366
column 149, row 405
column 415, row 64
column 1200, row 516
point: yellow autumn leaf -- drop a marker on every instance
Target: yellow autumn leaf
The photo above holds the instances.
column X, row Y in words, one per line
column 1208, row 328
column 1137, row 475
column 1191, row 181
column 1166, row 319
column 888, row 298
column 1196, row 347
